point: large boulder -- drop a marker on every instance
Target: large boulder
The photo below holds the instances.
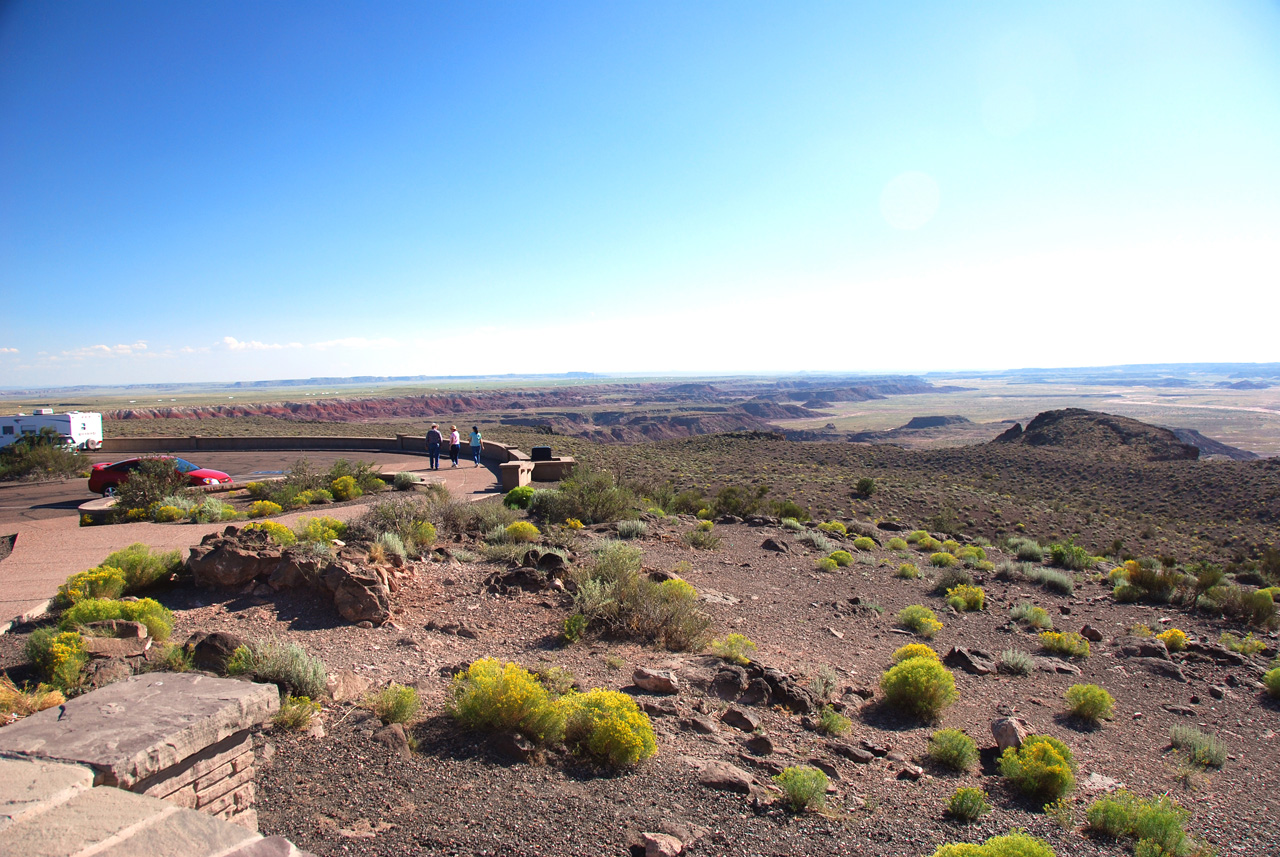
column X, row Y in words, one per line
column 360, row 593
column 212, row 651
column 226, row 562
column 297, row 568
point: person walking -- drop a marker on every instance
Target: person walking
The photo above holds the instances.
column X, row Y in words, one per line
column 434, row 439
column 455, row 444
column 475, row 445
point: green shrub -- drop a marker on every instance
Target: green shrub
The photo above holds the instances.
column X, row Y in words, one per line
column 264, row 508
column 1070, row 644
column 920, row 687
column 734, row 648
column 1272, row 682
column 864, row 543
column 212, row 510
column 866, row 486
column 803, row 787
column 896, row 544
column 817, row 541
column 322, row 530
column 575, row 625
column 1026, row 550
column 701, row 539
column 153, row 481
column 953, row 749
column 494, row 697
column 968, row 804
column 518, row 498
column 632, row 529
column 832, row 722
column 1051, row 578
column 826, row 563
column 943, row 559
column 395, row 703
column 841, row 558
column 1031, row 616
column 101, row 582
column 364, row 473
column 143, row 567
column 286, row 665
column 831, row 527
column 915, row 650
column 907, row 571
column 915, row 536
column 609, row 727
column 949, row 578
column 1089, row 702
column 920, row 620
column 153, row 614
column 1203, row 750
column 295, row 713
column 1016, row 843
column 966, row 598
column 1246, row 645
column 1072, row 556
column 392, row 544
column 1043, row 767
column 590, row 496
column 1014, row 662
column 345, row 488
column 58, row 656
column 928, row 544
column 1156, row 823
column 39, row 456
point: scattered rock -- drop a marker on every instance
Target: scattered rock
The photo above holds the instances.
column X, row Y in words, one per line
column 873, row 748
column 760, row 745
column 700, row 724
column 826, row 767
column 729, row 682
column 360, row 594
column 1181, row 710
column 513, row 746
column 972, row 661
column 212, row 651
column 1054, row 665
column 776, row 545
column 223, row 561
column 1160, row 667
column 910, row 772
column 394, row 737
column 739, row 719
column 1096, row 783
column 346, row 686
column 661, row 845
column 655, row 681
column 659, row 707
column 1009, row 732
column 726, row 777
column 1090, row 633
column 1140, row 647
column 757, row 693
column 852, row 753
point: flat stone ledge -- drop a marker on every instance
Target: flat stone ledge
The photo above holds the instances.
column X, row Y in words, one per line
column 141, row 726
column 30, row 787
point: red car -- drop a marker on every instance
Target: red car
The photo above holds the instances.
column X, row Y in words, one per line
column 105, row 478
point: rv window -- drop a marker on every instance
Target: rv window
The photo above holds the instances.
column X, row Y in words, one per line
column 8, row 429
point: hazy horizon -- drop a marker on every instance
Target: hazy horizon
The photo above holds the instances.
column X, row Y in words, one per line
column 277, row 191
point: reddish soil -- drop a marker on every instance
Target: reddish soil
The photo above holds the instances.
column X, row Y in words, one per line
column 346, row 793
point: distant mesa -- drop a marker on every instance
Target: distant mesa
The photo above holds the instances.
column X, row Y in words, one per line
column 1210, row 448
column 935, row 422
column 1245, row 385
column 1100, row 434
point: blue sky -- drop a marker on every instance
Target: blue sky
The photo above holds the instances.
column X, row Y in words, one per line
column 235, row 190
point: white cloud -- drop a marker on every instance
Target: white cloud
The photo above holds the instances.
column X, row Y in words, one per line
column 236, row 345
column 8, row 351
column 121, row 350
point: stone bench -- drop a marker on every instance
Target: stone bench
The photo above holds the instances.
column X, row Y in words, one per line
column 180, row 737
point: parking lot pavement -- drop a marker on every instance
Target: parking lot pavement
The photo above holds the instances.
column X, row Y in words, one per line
column 51, row 545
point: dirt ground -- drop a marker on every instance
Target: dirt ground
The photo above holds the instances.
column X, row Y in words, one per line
column 346, row 793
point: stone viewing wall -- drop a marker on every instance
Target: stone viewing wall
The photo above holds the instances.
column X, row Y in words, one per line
column 183, row 738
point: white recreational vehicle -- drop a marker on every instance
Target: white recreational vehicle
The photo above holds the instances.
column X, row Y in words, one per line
column 80, row 429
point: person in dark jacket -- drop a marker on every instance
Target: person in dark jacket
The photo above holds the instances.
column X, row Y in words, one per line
column 434, row 439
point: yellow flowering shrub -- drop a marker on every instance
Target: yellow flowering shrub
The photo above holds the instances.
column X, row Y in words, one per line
column 496, row 697
column 919, row 619
column 58, row 655
column 608, row 726
column 101, row 582
column 677, row 590
column 1070, row 644
column 167, row 514
column 522, row 531
column 345, row 488
column 1174, row 640
column 323, row 529
column 573, row 524
column 278, row 533
column 263, row 508
column 914, row 650
column 148, row 611
column 966, row 598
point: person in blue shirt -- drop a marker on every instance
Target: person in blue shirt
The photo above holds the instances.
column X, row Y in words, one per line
column 475, row 445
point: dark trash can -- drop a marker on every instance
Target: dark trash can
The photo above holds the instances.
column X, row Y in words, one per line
column 540, row 453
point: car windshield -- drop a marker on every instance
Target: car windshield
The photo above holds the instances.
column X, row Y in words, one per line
column 184, row 466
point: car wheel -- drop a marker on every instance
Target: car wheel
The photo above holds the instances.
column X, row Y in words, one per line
column 109, row 491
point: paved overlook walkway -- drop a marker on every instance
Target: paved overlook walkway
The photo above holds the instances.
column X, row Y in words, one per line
column 51, row 548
